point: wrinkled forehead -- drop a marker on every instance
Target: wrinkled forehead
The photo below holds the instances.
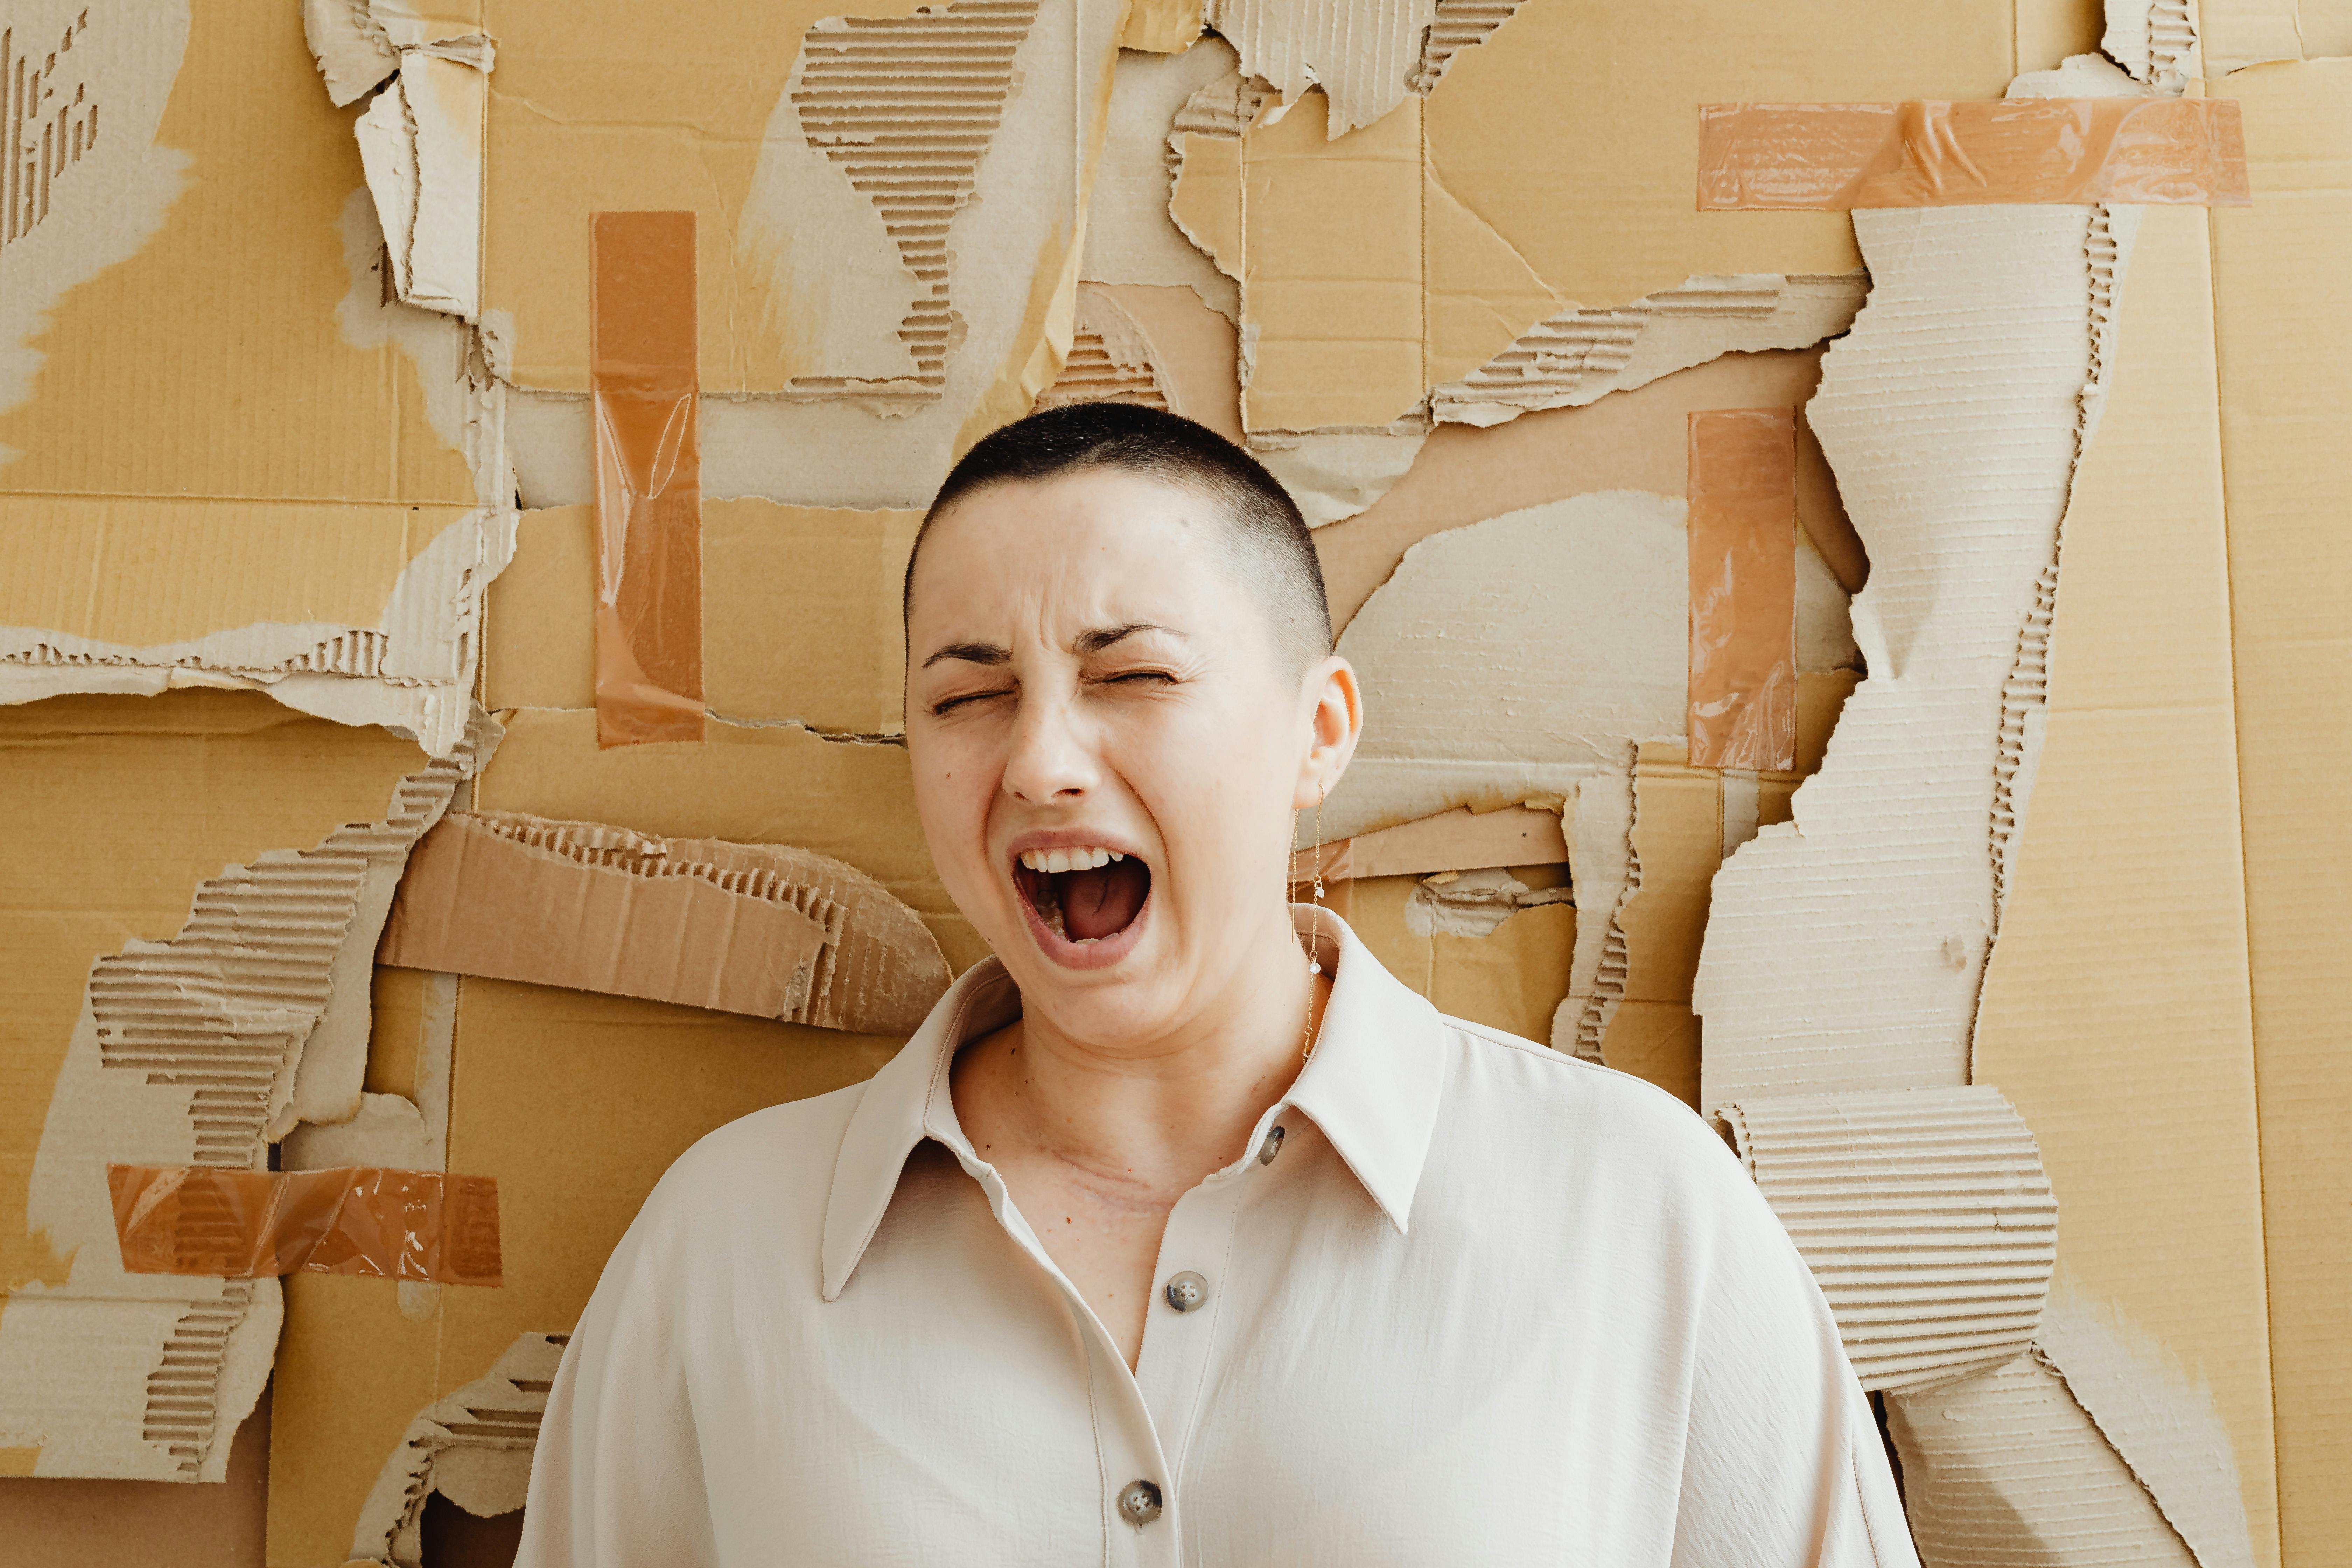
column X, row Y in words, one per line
column 1082, row 549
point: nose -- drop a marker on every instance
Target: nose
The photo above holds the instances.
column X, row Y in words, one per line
column 1051, row 763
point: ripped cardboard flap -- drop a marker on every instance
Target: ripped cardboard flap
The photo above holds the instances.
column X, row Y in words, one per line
column 763, row 930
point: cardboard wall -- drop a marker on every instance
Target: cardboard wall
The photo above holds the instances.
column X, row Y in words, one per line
column 293, row 366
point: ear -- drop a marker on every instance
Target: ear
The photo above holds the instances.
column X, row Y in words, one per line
column 1334, row 722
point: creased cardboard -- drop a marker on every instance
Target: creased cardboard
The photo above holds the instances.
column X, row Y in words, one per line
column 2007, row 1468
column 1987, row 311
column 188, row 1051
column 743, row 928
column 1924, row 1214
column 421, row 142
column 473, row 1446
column 280, row 481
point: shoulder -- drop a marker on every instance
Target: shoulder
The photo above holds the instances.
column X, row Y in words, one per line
column 762, row 1176
column 1546, row 1111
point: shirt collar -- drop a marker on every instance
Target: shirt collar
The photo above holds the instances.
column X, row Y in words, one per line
column 1372, row 1086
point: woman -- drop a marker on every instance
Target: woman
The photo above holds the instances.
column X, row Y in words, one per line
column 1182, row 1231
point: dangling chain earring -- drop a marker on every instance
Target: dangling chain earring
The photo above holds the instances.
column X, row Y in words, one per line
column 1314, row 951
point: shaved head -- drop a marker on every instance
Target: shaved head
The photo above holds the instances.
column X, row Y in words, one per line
column 1270, row 553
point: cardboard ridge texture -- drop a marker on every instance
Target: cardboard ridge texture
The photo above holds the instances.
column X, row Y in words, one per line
column 199, row 1051
column 474, row 1447
column 1924, row 1214
column 761, row 928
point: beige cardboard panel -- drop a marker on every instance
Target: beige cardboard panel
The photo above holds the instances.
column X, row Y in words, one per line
column 1630, row 440
column 577, row 1103
column 1163, row 26
column 1924, row 1214
column 2284, row 315
column 1658, row 1041
column 1193, row 351
column 1130, row 238
column 1362, row 55
column 473, row 1446
column 2116, row 1007
column 801, row 615
column 1460, row 840
column 262, row 369
column 1952, row 416
column 2008, row 1468
column 852, row 801
column 1678, row 839
column 1511, row 979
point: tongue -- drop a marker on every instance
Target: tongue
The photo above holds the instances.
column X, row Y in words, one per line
column 1102, row 902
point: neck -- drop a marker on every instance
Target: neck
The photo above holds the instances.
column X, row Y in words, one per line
column 1167, row 1111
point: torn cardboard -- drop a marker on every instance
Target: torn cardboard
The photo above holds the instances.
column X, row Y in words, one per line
column 1953, row 414
column 473, row 1446
column 194, row 1051
column 1130, row 237
column 1511, row 977
column 761, row 929
column 1924, row 1214
column 421, row 142
column 318, row 520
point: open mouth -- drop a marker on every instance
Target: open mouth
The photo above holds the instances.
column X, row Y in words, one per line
column 1082, row 894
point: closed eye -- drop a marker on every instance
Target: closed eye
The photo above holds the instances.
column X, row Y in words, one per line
column 1133, row 676
column 949, row 705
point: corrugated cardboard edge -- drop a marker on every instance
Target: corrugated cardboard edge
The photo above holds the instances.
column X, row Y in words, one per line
column 1924, row 1214
column 191, row 1051
column 474, row 1447
column 879, row 969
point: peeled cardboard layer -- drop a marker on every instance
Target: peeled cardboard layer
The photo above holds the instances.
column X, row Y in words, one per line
column 1160, row 347
column 473, row 1446
column 197, row 1050
column 1457, row 841
column 245, row 1225
column 1743, row 588
column 1765, row 156
column 420, row 141
column 1924, row 1214
column 2007, row 1468
column 1492, row 233
column 1130, row 237
column 1631, row 441
column 1953, row 414
column 281, row 481
column 761, row 929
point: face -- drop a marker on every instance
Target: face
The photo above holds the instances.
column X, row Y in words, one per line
column 1107, row 747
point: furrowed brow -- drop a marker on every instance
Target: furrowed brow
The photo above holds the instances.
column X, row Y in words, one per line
column 1095, row 641
column 970, row 653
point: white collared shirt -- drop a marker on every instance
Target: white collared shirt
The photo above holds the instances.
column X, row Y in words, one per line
column 1464, row 1301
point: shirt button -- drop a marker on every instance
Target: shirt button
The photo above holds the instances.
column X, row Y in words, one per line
column 1187, row 1290
column 1140, row 1503
column 1270, row 1148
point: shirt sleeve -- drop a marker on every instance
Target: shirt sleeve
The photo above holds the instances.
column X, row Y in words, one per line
column 617, row 1478
column 1784, row 1464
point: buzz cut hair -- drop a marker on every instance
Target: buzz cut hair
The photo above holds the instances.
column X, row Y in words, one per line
column 1272, row 552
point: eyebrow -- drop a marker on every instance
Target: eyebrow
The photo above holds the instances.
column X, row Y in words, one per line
column 1088, row 643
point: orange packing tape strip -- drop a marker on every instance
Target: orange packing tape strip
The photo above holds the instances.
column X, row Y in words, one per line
column 241, row 1224
column 1743, row 588
column 2159, row 150
column 643, row 371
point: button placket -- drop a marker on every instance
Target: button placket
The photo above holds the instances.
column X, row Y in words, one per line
column 1181, row 1334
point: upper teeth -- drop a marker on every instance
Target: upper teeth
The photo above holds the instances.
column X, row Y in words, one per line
column 1078, row 859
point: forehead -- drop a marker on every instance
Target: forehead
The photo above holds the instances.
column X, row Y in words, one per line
column 1092, row 547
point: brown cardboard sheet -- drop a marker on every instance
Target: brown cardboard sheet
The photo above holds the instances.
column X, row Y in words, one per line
column 800, row 613
column 134, row 956
column 1924, row 1214
column 1743, row 588
column 1511, row 977
column 1456, row 840
column 1130, row 238
column 760, row 929
column 2115, row 1008
column 243, row 1224
column 2150, row 150
column 649, row 479
column 2283, row 323
column 1155, row 345
column 1351, row 326
column 279, row 479
column 1629, row 440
